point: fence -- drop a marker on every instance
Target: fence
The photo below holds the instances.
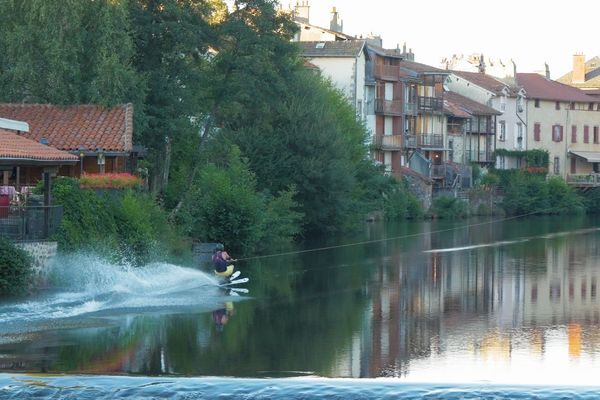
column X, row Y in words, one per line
column 29, row 223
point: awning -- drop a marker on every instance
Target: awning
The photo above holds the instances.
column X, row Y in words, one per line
column 589, row 156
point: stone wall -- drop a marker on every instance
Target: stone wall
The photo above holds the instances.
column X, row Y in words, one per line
column 420, row 186
column 42, row 254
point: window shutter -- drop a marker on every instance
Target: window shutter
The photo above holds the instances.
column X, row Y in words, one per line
column 560, row 129
column 586, row 134
column 574, row 134
column 536, row 132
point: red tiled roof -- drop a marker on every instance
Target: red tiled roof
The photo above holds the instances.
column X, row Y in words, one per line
column 17, row 147
column 72, row 127
column 453, row 101
column 422, row 68
column 539, row 87
column 482, row 80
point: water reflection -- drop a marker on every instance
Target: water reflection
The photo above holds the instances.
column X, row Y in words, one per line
column 513, row 302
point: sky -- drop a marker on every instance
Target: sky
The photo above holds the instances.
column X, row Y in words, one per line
column 530, row 32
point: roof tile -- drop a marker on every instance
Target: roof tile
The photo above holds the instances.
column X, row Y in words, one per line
column 71, row 127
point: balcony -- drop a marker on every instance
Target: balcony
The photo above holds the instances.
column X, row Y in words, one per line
column 425, row 141
column 431, row 104
column 388, row 142
column 480, row 156
column 455, row 128
column 584, row 180
column 388, row 107
column 386, row 72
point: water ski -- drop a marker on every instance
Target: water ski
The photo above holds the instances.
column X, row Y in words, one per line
column 235, row 282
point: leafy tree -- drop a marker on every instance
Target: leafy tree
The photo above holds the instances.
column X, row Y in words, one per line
column 67, row 52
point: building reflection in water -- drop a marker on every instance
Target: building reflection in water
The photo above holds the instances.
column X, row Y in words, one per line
column 491, row 304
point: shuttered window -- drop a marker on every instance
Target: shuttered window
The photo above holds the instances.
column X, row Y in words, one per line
column 557, row 133
column 574, row 134
column 586, row 134
column 536, row 132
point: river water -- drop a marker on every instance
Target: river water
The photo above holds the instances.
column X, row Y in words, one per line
column 463, row 309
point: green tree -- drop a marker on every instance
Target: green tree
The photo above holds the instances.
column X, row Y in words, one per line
column 68, row 52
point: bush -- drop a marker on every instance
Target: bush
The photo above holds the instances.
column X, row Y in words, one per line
column 15, row 269
column 448, row 207
column 401, row 204
column 128, row 227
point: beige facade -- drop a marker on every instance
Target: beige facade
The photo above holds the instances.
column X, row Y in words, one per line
column 564, row 129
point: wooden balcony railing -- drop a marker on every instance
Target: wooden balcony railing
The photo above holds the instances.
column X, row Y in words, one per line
column 423, row 141
column 386, row 72
column 388, row 107
column 430, row 104
column 388, row 142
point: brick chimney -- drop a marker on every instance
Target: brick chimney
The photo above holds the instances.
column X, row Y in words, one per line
column 578, row 69
column 302, row 12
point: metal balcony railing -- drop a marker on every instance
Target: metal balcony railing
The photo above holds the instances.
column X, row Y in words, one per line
column 418, row 141
column 479, row 156
column 588, row 180
column 29, row 223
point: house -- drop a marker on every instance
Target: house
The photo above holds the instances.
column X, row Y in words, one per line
column 423, row 120
column 471, row 128
column 22, row 163
column 344, row 63
column 101, row 138
column 504, row 97
column 565, row 121
column 310, row 33
column 585, row 75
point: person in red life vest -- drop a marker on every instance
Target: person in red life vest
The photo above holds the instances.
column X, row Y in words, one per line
column 222, row 261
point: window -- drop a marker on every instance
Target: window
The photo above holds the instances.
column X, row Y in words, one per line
column 557, row 105
column 519, row 144
column 503, row 103
column 557, row 133
column 591, row 106
column 536, row 132
column 502, row 131
column 537, row 103
column 556, row 165
column 574, row 134
column 586, row 134
column 501, row 162
column 595, row 135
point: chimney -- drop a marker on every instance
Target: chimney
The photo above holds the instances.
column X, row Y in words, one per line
column 302, row 12
column 578, row 68
column 547, row 70
column 481, row 66
column 336, row 24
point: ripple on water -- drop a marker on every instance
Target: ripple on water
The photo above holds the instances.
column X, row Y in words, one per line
column 110, row 387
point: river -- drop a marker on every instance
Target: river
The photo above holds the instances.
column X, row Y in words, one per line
column 418, row 306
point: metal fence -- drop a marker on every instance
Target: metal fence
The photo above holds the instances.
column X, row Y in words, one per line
column 29, row 223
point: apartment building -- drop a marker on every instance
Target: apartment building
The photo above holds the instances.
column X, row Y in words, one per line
column 565, row 121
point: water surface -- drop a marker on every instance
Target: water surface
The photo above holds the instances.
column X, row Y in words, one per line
column 509, row 302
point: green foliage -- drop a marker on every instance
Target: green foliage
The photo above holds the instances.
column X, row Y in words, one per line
column 401, row 204
column 129, row 226
column 226, row 206
column 490, row 180
column 15, row 269
column 562, row 199
column 533, row 158
column 448, row 208
column 528, row 193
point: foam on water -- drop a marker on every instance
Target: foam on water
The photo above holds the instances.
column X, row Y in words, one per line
column 86, row 285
